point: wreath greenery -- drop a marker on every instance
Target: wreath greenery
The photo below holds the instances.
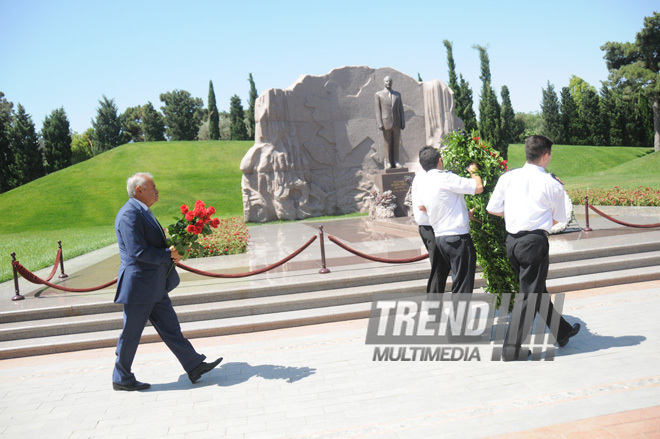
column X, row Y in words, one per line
column 459, row 149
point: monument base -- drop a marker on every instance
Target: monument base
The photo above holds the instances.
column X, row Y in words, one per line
column 394, row 179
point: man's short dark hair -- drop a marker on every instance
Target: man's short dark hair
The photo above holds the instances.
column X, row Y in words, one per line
column 536, row 146
column 428, row 158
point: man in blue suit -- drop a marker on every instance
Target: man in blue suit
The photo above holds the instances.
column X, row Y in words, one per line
column 143, row 282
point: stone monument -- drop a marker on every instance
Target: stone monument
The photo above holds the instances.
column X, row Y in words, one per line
column 318, row 149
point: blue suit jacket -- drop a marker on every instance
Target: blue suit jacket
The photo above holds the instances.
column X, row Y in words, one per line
column 145, row 258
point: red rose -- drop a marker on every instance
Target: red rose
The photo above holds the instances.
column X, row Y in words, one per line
column 215, row 222
column 211, row 210
column 191, row 229
column 198, row 229
column 190, row 215
column 184, row 209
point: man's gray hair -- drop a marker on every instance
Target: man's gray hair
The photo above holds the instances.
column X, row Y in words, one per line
column 135, row 180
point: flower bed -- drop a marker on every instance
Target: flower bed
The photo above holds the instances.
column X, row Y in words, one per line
column 642, row 196
column 229, row 238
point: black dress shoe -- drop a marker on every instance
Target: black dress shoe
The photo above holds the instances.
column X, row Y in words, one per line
column 131, row 387
column 200, row 370
column 564, row 341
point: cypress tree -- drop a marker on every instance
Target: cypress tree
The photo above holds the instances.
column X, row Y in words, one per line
column 466, row 114
column 252, row 99
column 236, row 116
column 57, row 141
column 214, row 116
column 489, row 109
column 590, row 117
column 550, row 113
column 508, row 121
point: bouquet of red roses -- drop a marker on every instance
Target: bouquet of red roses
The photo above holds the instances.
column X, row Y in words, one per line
column 185, row 232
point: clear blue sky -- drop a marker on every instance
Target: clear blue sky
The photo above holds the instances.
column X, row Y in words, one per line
column 66, row 53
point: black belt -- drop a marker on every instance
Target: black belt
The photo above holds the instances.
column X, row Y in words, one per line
column 528, row 232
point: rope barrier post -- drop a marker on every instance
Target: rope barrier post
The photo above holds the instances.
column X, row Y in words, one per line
column 18, row 292
column 586, row 213
column 63, row 275
column 323, row 269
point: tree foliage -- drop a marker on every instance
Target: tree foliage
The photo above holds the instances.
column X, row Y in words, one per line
column 570, row 124
column 6, row 153
column 214, row 116
column 550, row 113
column 236, row 116
column 183, row 114
column 509, row 128
column 490, row 125
column 637, row 66
column 56, row 133
column 153, row 124
column 252, row 100
column 131, row 125
column 81, row 146
column 107, row 125
column 28, row 158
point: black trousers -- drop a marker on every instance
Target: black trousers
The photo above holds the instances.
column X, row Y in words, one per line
column 457, row 252
column 529, row 253
column 439, row 268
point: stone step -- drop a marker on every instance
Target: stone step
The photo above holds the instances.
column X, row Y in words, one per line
column 306, row 310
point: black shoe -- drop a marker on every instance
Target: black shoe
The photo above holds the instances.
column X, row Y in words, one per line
column 564, row 341
column 512, row 355
column 131, row 387
column 200, row 370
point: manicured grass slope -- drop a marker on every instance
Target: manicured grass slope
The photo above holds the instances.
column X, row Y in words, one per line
column 583, row 167
column 78, row 205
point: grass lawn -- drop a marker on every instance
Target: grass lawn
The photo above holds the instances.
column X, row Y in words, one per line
column 78, row 205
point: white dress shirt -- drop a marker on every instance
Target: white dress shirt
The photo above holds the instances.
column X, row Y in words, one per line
column 530, row 199
column 442, row 195
column 421, row 217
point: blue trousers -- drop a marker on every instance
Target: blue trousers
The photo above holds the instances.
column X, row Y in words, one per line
column 165, row 321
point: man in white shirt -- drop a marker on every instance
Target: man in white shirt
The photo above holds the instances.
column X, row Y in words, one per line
column 531, row 201
column 439, row 268
column 443, row 197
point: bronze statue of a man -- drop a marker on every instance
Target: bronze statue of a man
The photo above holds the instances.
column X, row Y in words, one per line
column 391, row 120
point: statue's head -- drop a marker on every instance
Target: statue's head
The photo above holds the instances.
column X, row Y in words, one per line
column 388, row 82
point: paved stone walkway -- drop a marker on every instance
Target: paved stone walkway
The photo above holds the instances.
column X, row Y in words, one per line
column 320, row 382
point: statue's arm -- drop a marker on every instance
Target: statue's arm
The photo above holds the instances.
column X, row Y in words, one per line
column 379, row 116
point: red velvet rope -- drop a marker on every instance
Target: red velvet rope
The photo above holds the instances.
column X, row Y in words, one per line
column 249, row 273
column 374, row 258
column 31, row 277
column 604, row 215
column 57, row 262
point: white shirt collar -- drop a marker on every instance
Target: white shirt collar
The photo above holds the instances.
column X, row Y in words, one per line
column 144, row 206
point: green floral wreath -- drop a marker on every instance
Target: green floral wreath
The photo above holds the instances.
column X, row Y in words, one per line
column 459, row 149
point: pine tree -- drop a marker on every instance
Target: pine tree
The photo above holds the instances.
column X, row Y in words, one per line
column 56, row 133
column 6, row 153
column 107, row 125
column 550, row 113
column 455, row 87
column 28, row 158
column 152, row 124
column 236, row 115
column 252, row 100
column 489, row 109
column 131, row 125
column 508, row 118
column 214, row 116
